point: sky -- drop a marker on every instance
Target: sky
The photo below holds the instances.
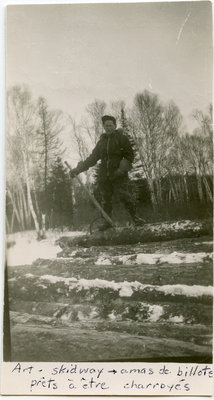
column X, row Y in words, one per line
column 73, row 54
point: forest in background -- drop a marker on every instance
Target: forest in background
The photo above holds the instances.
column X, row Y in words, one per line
column 171, row 176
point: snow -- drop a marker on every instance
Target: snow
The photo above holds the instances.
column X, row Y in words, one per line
column 29, row 275
column 199, row 243
column 26, row 251
column 184, row 290
column 55, row 279
column 93, row 313
column 112, row 316
column 155, row 312
column 87, row 284
column 66, row 317
column 178, row 319
column 175, row 226
column 42, row 286
column 103, row 261
column 74, row 252
column 72, row 233
column 12, row 279
column 84, row 316
column 126, row 289
column 173, row 258
column 27, row 248
column 59, row 290
column 157, row 258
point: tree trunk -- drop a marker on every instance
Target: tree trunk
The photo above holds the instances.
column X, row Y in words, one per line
column 26, row 210
column 199, row 186
column 7, row 225
column 16, row 213
column 21, row 210
column 159, row 191
column 12, row 222
column 148, row 174
column 176, row 189
column 186, row 189
column 33, row 213
column 208, row 190
column 35, row 199
column 43, row 233
column 172, row 189
column 152, row 193
column 46, row 170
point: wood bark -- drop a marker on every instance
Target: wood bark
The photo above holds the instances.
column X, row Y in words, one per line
column 27, row 179
column 208, row 190
column 147, row 233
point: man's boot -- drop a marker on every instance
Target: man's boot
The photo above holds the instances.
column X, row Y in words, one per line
column 132, row 211
column 138, row 221
column 104, row 226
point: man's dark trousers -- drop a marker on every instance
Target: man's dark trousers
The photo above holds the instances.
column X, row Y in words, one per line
column 121, row 189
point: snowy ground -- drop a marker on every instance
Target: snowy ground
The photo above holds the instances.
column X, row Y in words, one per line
column 146, row 300
column 27, row 248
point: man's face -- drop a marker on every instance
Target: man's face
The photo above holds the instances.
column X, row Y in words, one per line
column 109, row 126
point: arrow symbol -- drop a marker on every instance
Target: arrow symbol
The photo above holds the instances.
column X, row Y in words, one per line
column 113, row 371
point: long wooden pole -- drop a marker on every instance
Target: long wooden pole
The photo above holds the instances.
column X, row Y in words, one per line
column 92, row 198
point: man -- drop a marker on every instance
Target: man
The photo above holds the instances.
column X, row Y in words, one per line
column 116, row 155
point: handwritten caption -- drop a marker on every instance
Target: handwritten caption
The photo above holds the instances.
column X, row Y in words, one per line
column 118, row 378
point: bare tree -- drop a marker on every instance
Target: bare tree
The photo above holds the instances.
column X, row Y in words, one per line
column 205, row 121
column 95, row 111
column 154, row 127
column 80, row 140
column 196, row 150
column 17, row 206
column 21, row 126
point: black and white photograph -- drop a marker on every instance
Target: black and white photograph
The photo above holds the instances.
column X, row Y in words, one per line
column 109, row 193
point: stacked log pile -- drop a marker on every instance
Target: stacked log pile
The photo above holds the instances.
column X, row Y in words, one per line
column 135, row 302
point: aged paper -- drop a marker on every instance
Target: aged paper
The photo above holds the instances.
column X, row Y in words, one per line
column 117, row 300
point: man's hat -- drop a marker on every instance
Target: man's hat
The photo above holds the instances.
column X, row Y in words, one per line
column 108, row 118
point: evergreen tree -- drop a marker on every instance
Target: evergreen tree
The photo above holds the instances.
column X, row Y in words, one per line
column 48, row 144
column 60, row 201
column 126, row 127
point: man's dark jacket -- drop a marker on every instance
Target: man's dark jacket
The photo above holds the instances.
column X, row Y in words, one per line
column 111, row 150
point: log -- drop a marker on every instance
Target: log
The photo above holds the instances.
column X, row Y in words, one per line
column 60, row 288
column 42, row 314
column 107, row 309
column 148, row 233
column 78, row 309
column 187, row 245
column 156, row 274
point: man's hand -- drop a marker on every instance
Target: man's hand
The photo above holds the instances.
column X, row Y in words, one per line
column 73, row 172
